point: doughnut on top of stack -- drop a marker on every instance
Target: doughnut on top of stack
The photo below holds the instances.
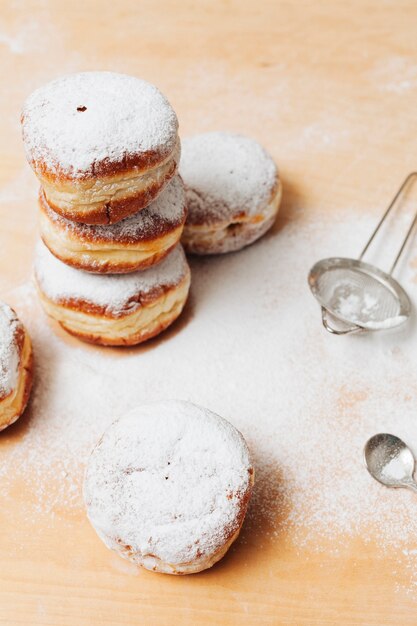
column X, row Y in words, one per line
column 97, row 139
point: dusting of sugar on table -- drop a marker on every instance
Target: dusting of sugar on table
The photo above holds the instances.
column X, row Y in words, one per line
column 251, row 348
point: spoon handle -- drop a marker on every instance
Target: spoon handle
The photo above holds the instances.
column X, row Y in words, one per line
column 411, row 485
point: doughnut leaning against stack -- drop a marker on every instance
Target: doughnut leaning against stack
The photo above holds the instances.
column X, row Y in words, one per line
column 233, row 192
column 16, row 366
column 106, row 149
column 168, row 485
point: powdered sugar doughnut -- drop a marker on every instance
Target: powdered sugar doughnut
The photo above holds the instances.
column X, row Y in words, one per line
column 132, row 244
column 103, row 145
column 233, row 192
column 168, row 485
column 113, row 310
column 15, row 366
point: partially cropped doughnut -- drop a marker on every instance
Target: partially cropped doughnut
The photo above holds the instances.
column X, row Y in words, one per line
column 132, row 244
column 233, row 192
column 168, row 485
column 16, row 372
column 113, row 310
column 103, row 145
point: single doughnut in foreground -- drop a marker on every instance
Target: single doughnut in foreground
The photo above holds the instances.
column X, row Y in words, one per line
column 113, row 310
column 134, row 243
column 103, row 145
column 233, row 192
column 16, row 366
column 168, row 485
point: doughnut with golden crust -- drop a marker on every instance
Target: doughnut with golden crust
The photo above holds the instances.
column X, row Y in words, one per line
column 113, row 310
column 103, row 145
column 134, row 243
column 233, row 192
column 16, row 366
column 168, row 485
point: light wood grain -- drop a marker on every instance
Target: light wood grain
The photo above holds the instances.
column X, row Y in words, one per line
column 274, row 70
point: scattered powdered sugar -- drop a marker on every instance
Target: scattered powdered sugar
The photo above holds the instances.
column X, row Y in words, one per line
column 396, row 74
column 23, row 38
column 30, row 33
column 9, row 353
column 225, row 175
column 390, row 322
column 356, row 306
column 250, row 346
column 14, row 43
column 168, row 480
column 326, row 133
column 80, row 121
column 164, row 213
column 395, row 469
column 118, row 293
column 359, row 298
column 23, row 186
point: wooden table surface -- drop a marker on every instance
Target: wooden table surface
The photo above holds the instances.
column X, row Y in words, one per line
column 282, row 72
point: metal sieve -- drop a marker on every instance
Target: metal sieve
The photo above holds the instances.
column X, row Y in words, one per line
column 356, row 296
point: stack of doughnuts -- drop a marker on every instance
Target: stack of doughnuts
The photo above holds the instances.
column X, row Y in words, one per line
column 106, row 150
column 233, row 192
column 167, row 486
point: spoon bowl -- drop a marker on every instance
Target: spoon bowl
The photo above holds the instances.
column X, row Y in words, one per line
column 390, row 461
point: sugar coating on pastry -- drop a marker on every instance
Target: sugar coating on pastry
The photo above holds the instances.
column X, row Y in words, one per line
column 113, row 295
column 166, row 212
column 133, row 243
column 83, row 125
column 168, row 485
column 233, row 191
column 113, row 310
column 15, row 366
column 10, row 326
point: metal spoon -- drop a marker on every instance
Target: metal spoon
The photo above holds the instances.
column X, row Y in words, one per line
column 390, row 461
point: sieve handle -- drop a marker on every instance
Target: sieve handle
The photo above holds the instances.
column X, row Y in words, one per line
column 350, row 329
column 383, row 218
